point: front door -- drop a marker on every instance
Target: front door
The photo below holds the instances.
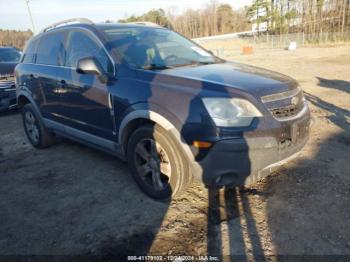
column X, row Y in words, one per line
column 84, row 98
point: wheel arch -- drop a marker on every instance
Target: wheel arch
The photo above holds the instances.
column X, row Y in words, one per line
column 137, row 118
column 24, row 97
column 22, row 100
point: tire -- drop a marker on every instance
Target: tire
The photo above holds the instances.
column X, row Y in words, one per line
column 168, row 164
column 34, row 128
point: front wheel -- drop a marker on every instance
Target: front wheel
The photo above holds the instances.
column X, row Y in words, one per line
column 156, row 163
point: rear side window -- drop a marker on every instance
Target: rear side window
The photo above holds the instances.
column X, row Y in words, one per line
column 81, row 45
column 29, row 53
column 50, row 49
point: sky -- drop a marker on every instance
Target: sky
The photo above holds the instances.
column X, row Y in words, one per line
column 14, row 14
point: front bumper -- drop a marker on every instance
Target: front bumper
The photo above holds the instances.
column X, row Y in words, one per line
column 8, row 98
column 243, row 161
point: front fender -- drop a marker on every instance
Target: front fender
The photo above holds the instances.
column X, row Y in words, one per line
column 161, row 117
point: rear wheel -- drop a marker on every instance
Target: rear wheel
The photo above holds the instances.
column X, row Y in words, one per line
column 35, row 130
column 156, row 163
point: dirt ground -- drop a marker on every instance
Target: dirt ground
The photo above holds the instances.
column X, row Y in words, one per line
column 70, row 199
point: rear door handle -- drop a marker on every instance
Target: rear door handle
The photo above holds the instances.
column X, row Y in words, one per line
column 63, row 84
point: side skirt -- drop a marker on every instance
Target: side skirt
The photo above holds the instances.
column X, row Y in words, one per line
column 85, row 138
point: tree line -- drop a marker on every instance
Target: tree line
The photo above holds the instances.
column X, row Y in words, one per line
column 279, row 16
column 212, row 19
column 14, row 38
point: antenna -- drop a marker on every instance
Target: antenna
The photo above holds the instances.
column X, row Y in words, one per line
column 30, row 15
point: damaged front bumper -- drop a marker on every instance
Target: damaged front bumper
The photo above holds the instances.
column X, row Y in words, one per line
column 243, row 161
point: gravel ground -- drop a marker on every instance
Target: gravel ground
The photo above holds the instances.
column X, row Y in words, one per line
column 70, row 199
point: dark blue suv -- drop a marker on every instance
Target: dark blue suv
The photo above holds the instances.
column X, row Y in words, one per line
column 170, row 108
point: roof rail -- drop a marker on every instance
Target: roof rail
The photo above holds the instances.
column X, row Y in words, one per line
column 79, row 19
column 145, row 23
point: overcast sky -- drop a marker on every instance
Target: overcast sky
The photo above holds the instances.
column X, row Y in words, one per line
column 14, row 14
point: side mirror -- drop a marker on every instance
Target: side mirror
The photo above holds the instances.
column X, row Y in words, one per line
column 90, row 65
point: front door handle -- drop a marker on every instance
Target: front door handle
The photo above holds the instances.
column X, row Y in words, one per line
column 32, row 76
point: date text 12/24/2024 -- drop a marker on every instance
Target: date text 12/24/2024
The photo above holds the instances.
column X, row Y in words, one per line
column 173, row 258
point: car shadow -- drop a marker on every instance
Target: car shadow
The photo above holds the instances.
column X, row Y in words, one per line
column 307, row 203
column 297, row 203
column 225, row 204
column 341, row 85
column 336, row 115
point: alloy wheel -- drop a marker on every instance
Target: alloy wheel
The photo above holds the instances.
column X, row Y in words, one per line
column 31, row 126
column 152, row 163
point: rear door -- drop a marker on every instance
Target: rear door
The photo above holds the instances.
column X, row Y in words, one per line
column 49, row 60
column 26, row 70
column 85, row 98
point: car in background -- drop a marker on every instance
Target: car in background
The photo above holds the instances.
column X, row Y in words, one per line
column 9, row 58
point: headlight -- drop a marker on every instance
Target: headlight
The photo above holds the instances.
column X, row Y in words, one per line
column 231, row 112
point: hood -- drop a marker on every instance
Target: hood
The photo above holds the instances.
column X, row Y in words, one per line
column 7, row 68
column 254, row 80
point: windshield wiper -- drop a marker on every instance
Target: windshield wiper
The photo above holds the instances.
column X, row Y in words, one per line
column 196, row 63
column 155, row 67
column 202, row 63
column 216, row 61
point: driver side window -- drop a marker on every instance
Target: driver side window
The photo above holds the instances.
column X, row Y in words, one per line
column 80, row 45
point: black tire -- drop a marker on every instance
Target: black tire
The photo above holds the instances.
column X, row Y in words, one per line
column 35, row 130
column 170, row 158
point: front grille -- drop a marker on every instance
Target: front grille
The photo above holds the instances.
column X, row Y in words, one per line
column 7, row 82
column 287, row 111
column 286, row 104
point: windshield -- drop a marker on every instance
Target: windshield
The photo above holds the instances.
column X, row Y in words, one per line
column 9, row 55
column 156, row 48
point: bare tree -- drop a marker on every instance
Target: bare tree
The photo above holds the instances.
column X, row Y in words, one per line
column 212, row 19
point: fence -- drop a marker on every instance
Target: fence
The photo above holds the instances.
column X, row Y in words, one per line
column 233, row 43
column 301, row 39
